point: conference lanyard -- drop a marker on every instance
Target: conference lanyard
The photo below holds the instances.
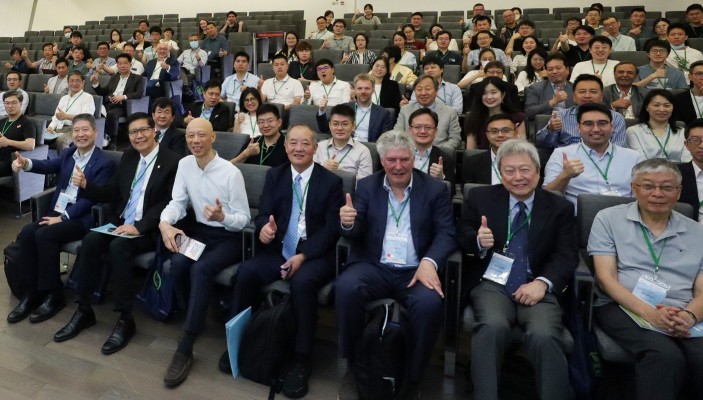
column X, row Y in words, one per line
column 302, row 70
column 695, row 103
column 493, row 164
column 365, row 113
column 338, row 151
column 324, row 87
column 253, row 124
column 600, row 171
column 283, row 83
column 512, row 233
column 7, row 126
column 298, row 200
column 655, row 258
column 139, row 178
column 70, row 103
column 396, row 217
column 666, row 142
column 264, row 150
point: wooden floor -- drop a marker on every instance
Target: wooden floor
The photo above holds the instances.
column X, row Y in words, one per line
column 32, row 366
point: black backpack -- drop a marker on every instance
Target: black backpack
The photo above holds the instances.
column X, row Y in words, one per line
column 267, row 341
column 381, row 354
column 12, row 268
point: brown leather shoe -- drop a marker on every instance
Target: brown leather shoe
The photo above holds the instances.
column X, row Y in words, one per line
column 177, row 370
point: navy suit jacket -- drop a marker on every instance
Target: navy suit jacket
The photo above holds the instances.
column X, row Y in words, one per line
column 175, row 141
column 324, row 199
column 431, row 221
column 171, row 75
column 379, row 121
column 99, row 170
column 689, row 189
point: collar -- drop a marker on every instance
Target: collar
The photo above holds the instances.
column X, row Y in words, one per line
column 350, row 142
column 528, row 202
column 305, row 174
column 696, row 170
column 80, row 92
column 675, row 225
column 364, row 109
column 151, row 155
column 424, row 154
column 282, row 80
column 83, row 158
column 408, row 189
column 608, row 151
column 334, row 82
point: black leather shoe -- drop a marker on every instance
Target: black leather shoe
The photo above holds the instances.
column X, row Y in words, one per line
column 123, row 332
column 295, row 384
column 81, row 319
column 22, row 309
column 53, row 303
column 224, row 365
column 177, row 370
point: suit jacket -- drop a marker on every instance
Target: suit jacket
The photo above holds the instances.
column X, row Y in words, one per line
column 610, row 94
column 379, row 121
column 175, row 141
column 684, row 109
column 477, row 168
column 539, row 94
column 134, row 89
column 99, row 169
column 171, row 75
column 689, row 189
column 553, row 249
column 390, row 95
column 431, row 221
column 221, row 119
column 448, row 129
column 157, row 193
column 324, row 199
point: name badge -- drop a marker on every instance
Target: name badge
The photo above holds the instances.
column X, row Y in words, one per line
column 650, row 290
column 499, row 268
column 396, row 249
column 72, row 192
column 608, row 191
column 62, row 202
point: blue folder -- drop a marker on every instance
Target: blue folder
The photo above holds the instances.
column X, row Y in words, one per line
column 235, row 329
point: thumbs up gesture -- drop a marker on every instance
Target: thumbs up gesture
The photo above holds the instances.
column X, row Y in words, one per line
column 19, row 162
column 46, row 88
column 268, row 231
column 306, row 94
column 559, row 96
column 187, row 119
column 253, row 148
column 260, row 83
column 555, row 123
column 214, row 213
column 437, row 169
column 485, row 235
column 571, row 168
column 347, row 214
column 563, row 38
column 323, row 103
column 331, row 164
column 78, row 177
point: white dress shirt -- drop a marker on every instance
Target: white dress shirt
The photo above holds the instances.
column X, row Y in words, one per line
column 337, row 92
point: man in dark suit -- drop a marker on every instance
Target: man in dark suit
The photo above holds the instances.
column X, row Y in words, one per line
column 399, row 246
column 166, row 133
column 684, row 107
column 122, row 86
column 556, row 91
column 368, row 127
column 160, row 70
column 481, row 167
column 691, row 172
column 140, row 190
column 69, row 220
column 219, row 115
column 527, row 258
column 433, row 160
column 298, row 228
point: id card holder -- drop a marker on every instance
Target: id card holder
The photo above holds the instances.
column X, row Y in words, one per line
column 650, row 290
column 397, row 249
column 62, row 202
column 72, row 192
column 498, row 269
column 609, row 191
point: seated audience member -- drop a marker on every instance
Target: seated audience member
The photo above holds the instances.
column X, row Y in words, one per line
column 245, row 120
column 496, row 70
column 470, row 24
column 568, row 35
column 77, row 63
column 166, row 133
column 563, row 128
column 140, row 43
column 624, row 243
column 448, row 130
column 541, row 248
column 18, row 131
column 321, row 32
column 482, row 23
column 215, row 44
column 282, row 88
column 517, row 40
column 341, row 151
column 692, row 190
column 58, row 84
column 484, row 41
column 620, row 41
column 519, row 59
column 268, row 148
column 510, row 26
column 202, row 28
column 70, row 219
column 77, row 42
column 361, row 55
column 329, row 18
column 681, row 56
column 416, row 22
column 599, row 64
column 535, row 71
column 168, row 39
column 288, row 49
column 658, row 73
column 486, row 57
column 593, row 16
column 215, row 189
column 596, row 165
column 401, row 263
column 74, row 103
column 553, row 92
column 149, row 53
column 637, row 29
column 368, row 18
column 122, row 86
column 398, row 73
column 623, row 96
column 432, row 160
column 210, row 108
column 301, row 251
column 13, row 80
column 657, row 136
column 386, row 91
column 338, row 41
column 407, row 58
column 143, row 30
column 449, row 57
column 448, row 93
column 241, row 79
column 48, row 61
column 413, row 42
column 370, row 120
column 694, row 15
column 328, row 89
column 159, row 71
column 303, row 68
column 231, row 24
column 103, row 64
column 191, row 59
column 139, row 191
column 137, row 67
column 581, row 50
column 689, row 104
column 116, row 41
column 482, row 167
column 67, row 31
column 492, row 92
column 431, row 42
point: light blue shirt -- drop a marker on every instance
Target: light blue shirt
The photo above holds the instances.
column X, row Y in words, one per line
column 422, row 160
column 232, row 87
column 403, row 227
column 674, row 78
column 449, row 94
column 569, row 133
column 500, row 56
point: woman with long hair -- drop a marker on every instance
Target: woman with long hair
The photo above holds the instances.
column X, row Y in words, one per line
column 493, row 91
column 660, row 28
column 362, row 55
column 407, row 58
column 534, row 71
column 387, row 92
column 288, row 49
column 202, row 24
column 245, row 119
column 529, row 43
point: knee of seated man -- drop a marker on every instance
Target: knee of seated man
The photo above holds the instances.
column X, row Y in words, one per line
column 669, row 359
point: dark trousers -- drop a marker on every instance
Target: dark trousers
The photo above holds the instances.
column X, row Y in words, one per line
column 304, row 285
column 663, row 362
column 193, row 280
column 120, row 252
column 362, row 283
column 40, row 246
column 114, row 113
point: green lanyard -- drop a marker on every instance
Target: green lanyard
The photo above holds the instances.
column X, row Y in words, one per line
column 263, row 150
column 7, row 126
column 610, row 160
column 593, row 65
column 235, row 81
column 655, row 258
column 378, row 100
column 327, row 93
column 356, row 108
column 302, row 70
column 74, row 101
column 424, row 165
column 444, row 91
column 139, row 178
column 298, row 200
column 493, row 164
column 253, row 124
column 663, row 86
column 695, row 103
column 512, row 233
column 396, row 217
column 343, row 157
column 283, row 83
column 666, row 142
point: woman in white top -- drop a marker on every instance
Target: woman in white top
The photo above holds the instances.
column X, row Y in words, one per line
column 657, row 136
column 361, row 55
column 477, row 75
column 534, row 70
column 116, row 42
column 432, row 44
column 289, row 49
column 529, row 43
column 245, row 121
column 406, row 58
column 168, row 39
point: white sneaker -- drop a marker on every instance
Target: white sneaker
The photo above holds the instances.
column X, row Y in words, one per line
column 106, row 141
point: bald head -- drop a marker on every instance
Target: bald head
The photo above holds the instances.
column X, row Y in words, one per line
column 200, row 136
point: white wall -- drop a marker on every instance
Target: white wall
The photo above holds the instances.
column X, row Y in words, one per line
column 53, row 14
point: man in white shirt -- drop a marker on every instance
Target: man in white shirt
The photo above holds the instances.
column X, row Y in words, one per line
column 681, row 56
column 599, row 65
column 149, row 53
column 58, row 84
column 136, row 66
column 448, row 93
column 321, row 32
column 282, row 88
column 620, row 42
column 191, row 59
column 75, row 102
column 240, row 80
column 13, row 79
column 103, row 64
column 328, row 88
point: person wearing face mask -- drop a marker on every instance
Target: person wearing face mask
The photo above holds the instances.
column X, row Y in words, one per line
column 681, row 56
column 191, row 59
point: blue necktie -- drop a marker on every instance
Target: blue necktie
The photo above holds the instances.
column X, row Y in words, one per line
column 517, row 249
column 130, row 211
column 290, row 241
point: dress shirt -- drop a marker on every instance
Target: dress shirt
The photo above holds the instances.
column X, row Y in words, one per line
column 149, row 161
column 617, row 94
column 213, row 46
column 409, row 60
column 422, row 160
column 283, row 91
column 699, row 185
column 201, row 187
column 569, row 133
column 137, row 67
column 324, row 34
column 623, row 43
column 522, row 82
column 354, row 157
column 403, row 228
column 157, row 71
column 674, row 78
column 495, row 174
column 232, row 87
column 58, row 85
column 361, row 122
column 472, row 59
column 188, row 61
column 641, row 139
column 304, row 182
column 337, row 92
column 606, row 71
column 79, row 103
column 449, row 94
column 25, row 103
column 45, row 64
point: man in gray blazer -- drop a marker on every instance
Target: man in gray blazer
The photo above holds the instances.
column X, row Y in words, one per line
column 556, row 91
column 448, row 128
column 623, row 96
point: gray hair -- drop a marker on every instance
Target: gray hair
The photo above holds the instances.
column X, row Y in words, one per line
column 313, row 134
column 435, row 82
column 517, row 147
column 656, row 166
column 395, row 140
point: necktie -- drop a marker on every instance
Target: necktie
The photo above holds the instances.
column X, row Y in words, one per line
column 130, row 211
column 517, row 248
column 160, row 136
column 290, row 240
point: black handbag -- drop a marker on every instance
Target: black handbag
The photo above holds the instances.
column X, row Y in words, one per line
column 156, row 296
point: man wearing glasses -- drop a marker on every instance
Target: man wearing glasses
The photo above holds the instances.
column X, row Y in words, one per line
column 692, row 191
column 13, row 80
column 268, row 148
column 688, row 105
column 432, row 160
column 328, row 90
column 139, row 191
column 74, row 103
column 17, row 131
column 594, row 165
column 482, row 167
column 658, row 74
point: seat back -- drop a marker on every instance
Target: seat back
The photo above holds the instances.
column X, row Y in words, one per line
column 330, row 54
column 254, row 179
column 228, row 144
column 36, row 82
column 45, row 104
column 375, row 158
column 348, row 181
column 304, row 114
column 347, row 72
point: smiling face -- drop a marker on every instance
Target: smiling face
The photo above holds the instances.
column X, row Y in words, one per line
column 582, row 37
column 600, row 51
column 657, row 54
column 484, row 40
column 291, row 40
column 625, row 75
column 528, row 45
column 269, row 125
column 163, row 117
column 660, row 28
column 537, row 62
column 587, row 92
column 557, row 71
column 498, row 131
column 492, row 97
column 425, row 92
column 138, row 37
column 409, row 34
column 364, row 90
column 202, row 24
column 398, row 166
column 75, row 83
column 341, row 127
column 83, row 135
column 300, row 147
column 596, row 129
column 648, row 189
column 251, row 103
column 142, row 136
column 398, row 41
column 423, row 130
column 321, row 24
column 103, row 50
column 162, row 51
column 482, row 25
column 379, row 69
column 519, row 175
column 200, row 137
column 660, row 109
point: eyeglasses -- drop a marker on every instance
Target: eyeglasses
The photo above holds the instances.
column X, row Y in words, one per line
column 592, row 124
column 422, row 128
column 263, row 122
column 694, row 141
column 323, row 68
column 698, row 74
column 143, row 130
column 337, row 124
column 250, row 100
column 648, row 188
column 658, row 51
column 11, row 103
column 504, row 131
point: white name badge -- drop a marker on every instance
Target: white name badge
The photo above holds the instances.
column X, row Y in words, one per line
column 499, row 268
column 650, row 290
column 396, row 249
column 610, row 192
column 62, row 202
column 72, row 192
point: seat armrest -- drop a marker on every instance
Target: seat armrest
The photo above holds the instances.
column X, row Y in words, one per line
column 101, row 213
column 40, row 203
column 342, row 254
column 248, row 241
column 452, row 296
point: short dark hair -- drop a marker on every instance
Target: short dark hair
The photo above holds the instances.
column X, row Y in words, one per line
column 433, row 60
column 242, row 53
column 621, row 63
column 279, row 56
column 343, row 110
column 444, row 33
column 676, row 25
column 600, row 10
column 611, row 16
column 364, row 35
column 11, row 93
column 249, row 90
column 694, row 6
column 61, row 60
column 326, row 61
column 162, row 102
column 586, row 78
column 212, row 83
column 529, row 23
column 211, row 23
column 586, row 28
column 588, row 107
column 129, row 44
column 103, row 44
column 482, row 18
column 81, row 48
column 141, row 115
column 303, row 45
column 340, row 21
column 600, row 39
column 329, row 12
column 393, row 52
column 123, row 55
column 76, row 34
column 14, row 50
column 417, row 14
column 169, row 30
column 695, row 64
column 368, row 5
column 144, row 21
column 318, row 18
column 557, row 56
column 85, row 117
column 155, row 29
column 696, row 123
column 232, row 13
column 494, row 64
column 499, row 117
column 637, row 9
column 644, row 116
column 423, row 111
column 657, row 43
column 78, row 73
column 268, row 108
column 19, row 76
column 46, row 44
